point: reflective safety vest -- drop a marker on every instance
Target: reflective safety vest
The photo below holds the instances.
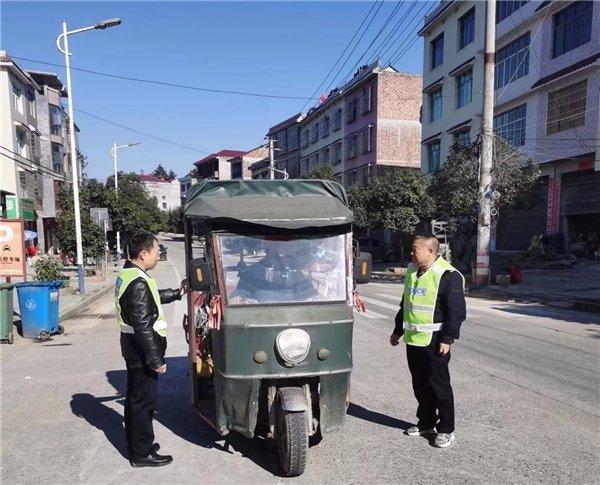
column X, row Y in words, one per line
column 124, row 279
column 420, row 295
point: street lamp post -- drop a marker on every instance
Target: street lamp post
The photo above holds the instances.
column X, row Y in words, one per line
column 113, row 152
column 74, row 172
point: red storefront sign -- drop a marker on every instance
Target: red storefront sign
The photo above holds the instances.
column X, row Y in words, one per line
column 553, row 213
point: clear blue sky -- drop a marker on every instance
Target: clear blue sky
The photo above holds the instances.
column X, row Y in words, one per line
column 283, row 48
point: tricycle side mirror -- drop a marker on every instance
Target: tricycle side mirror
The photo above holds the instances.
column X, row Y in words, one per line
column 200, row 274
column 362, row 268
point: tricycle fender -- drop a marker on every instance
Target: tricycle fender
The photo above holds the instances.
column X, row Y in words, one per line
column 293, row 399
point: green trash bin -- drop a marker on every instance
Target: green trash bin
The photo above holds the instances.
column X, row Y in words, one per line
column 6, row 312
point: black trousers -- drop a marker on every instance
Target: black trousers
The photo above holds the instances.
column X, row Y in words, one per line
column 140, row 404
column 431, row 383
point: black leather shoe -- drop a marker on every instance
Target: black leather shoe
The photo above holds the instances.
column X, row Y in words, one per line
column 152, row 459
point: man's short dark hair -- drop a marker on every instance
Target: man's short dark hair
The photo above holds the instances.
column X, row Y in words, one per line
column 139, row 242
column 430, row 240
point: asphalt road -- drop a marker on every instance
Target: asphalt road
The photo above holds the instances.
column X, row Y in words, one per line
column 526, row 381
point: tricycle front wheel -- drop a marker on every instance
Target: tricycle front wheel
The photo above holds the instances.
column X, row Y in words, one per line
column 292, row 441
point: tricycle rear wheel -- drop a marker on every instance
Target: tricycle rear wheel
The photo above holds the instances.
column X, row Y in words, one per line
column 292, row 441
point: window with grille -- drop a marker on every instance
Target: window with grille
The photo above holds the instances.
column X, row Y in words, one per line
column 366, row 139
column 437, row 51
column 435, row 105
column 305, row 142
column 292, row 138
column 325, row 130
column 350, row 178
column 325, row 157
column 314, row 133
column 572, row 27
column 17, row 96
column 433, row 156
column 351, row 112
column 21, row 143
column 337, row 153
column 56, row 120
column 566, row 108
column 511, row 124
column 512, row 62
column 464, row 89
column 466, row 29
column 337, row 119
column 506, row 7
column 351, row 146
column 367, row 99
column 366, row 174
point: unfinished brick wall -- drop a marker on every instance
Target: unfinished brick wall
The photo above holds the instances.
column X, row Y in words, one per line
column 398, row 125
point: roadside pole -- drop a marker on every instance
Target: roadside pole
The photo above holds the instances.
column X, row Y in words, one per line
column 482, row 266
column 271, row 158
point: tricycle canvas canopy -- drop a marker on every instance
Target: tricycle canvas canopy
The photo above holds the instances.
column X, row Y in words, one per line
column 282, row 204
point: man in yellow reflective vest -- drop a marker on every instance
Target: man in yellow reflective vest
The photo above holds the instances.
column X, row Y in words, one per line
column 431, row 313
column 143, row 343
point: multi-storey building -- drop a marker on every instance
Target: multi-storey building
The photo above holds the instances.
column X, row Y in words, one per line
column 166, row 192
column 20, row 167
column 241, row 165
column 367, row 125
column 185, row 184
column 215, row 166
column 286, row 136
column 547, row 83
column 55, row 151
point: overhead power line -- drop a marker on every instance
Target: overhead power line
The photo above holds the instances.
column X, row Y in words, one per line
column 163, row 83
column 340, row 56
column 395, row 33
column 403, row 48
column 149, row 135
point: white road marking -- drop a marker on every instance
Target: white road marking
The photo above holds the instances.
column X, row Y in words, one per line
column 387, row 296
column 379, row 303
column 371, row 315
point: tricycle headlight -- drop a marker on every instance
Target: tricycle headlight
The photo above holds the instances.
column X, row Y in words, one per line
column 293, row 345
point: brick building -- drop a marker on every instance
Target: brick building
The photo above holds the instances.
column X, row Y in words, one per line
column 216, row 166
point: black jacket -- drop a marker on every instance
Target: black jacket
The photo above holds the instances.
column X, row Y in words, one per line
column 139, row 310
column 450, row 308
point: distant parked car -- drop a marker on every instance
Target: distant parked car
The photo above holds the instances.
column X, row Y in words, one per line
column 377, row 249
column 162, row 252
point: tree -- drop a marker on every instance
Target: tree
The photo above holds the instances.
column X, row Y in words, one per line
column 91, row 235
column 455, row 185
column 163, row 174
column 397, row 201
column 321, row 172
column 175, row 220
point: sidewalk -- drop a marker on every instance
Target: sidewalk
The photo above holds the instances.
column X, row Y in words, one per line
column 577, row 288
column 71, row 302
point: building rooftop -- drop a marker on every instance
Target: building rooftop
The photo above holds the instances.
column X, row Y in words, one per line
column 47, row 79
column 152, row 178
column 222, row 153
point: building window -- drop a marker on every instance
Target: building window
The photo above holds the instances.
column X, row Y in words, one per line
column 350, row 178
column 292, row 138
column 566, row 108
column 31, row 102
column 433, row 156
column 464, row 89
column 325, row 157
column 337, row 119
column 466, row 29
column 462, row 137
column 367, row 99
column 57, row 158
column 351, row 146
column 506, row 7
column 366, row 174
column 21, row 143
column 365, row 139
column 572, row 27
column 305, row 142
column 56, row 120
column 512, row 62
column 337, row 153
column 435, row 105
column 510, row 125
column 351, row 111
column 437, row 51
column 325, row 130
column 164, row 206
column 17, row 95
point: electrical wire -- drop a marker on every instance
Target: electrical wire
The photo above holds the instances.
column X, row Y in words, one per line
column 163, row 83
column 24, row 161
column 398, row 54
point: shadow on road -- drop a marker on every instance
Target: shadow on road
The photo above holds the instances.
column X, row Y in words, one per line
column 377, row 418
column 174, row 411
column 572, row 316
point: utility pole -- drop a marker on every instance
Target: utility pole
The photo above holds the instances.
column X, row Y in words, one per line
column 271, row 158
column 482, row 267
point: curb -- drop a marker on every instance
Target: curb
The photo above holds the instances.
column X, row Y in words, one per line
column 75, row 309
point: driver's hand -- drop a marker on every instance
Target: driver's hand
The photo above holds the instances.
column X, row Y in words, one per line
column 183, row 287
column 394, row 339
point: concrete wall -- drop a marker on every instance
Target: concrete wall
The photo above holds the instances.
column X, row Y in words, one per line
column 166, row 193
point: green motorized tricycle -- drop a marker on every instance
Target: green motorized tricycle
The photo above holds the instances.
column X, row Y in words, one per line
column 272, row 271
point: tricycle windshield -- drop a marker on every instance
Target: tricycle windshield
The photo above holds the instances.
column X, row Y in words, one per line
column 273, row 270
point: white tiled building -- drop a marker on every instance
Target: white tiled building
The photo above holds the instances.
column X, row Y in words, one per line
column 167, row 193
column 546, row 104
